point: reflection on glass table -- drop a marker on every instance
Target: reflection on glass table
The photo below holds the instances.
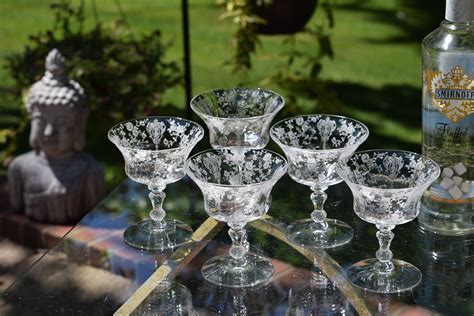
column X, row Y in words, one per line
column 66, row 280
column 317, row 300
column 447, row 265
column 215, row 300
column 91, row 271
column 170, row 299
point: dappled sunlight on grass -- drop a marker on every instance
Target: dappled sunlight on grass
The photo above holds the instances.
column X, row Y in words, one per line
column 375, row 74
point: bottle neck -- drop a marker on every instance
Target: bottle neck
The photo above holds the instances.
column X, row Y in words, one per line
column 460, row 11
column 457, row 26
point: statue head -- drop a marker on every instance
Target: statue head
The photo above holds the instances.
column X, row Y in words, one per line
column 58, row 112
column 55, row 63
column 57, row 132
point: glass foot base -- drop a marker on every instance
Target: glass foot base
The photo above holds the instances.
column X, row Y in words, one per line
column 221, row 271
column 143, row 235
column 403, row 277
column 303, row 233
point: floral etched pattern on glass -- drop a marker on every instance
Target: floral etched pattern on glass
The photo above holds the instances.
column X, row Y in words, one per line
column 313, row 145
column 236, row 191
column 238, row 117
column 387, row 186
column 155, row 150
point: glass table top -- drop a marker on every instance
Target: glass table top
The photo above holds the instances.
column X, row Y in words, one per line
column 63, row 282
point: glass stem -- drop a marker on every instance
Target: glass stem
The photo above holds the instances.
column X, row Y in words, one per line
column 157, row 214
column 240, row 246
column 383, row 306
column 238, row 304
column 318, row 279
column 384, row 255
column 319, row 215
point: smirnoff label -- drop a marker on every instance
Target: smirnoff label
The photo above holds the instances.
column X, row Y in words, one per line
column 452, row 92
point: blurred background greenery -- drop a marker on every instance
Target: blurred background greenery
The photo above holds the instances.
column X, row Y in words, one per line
column 374, row 75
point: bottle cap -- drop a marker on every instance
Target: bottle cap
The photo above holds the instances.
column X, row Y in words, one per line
column 460, row 10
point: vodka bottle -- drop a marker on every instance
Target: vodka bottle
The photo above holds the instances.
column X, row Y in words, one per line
column 448, row 121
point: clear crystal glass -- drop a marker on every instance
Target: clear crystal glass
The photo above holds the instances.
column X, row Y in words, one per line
column 387, row 186
column 155, row 150
column 313, row 145
column 238, row 117
column 237, row 191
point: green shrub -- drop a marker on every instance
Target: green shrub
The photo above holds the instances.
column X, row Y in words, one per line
column 124, row 76
column 300, row 79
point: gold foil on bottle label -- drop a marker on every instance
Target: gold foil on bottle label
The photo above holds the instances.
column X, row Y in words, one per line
column 452, row 93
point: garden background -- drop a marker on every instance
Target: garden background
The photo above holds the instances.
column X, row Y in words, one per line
column 374, row 75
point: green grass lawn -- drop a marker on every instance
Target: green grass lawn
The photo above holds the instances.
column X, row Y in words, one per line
column 376, row 72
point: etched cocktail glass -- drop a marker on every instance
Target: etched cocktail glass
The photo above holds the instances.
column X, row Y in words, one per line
column 313, row 144
column 387, row 186
column 238, row 118
column 236, row 191
column 155, row 150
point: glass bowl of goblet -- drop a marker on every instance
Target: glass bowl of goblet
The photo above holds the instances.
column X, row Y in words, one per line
column 238, row 117
column 387, row 186
column 236, row 192
column 313, row 144
column 155, row 150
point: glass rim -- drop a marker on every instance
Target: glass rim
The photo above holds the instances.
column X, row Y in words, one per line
column 200, row 113
column 342, row 149
column 195, row 179
column 428, row 181
column 193, row 143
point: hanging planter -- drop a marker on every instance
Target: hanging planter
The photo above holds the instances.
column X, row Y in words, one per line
column 283, row 16
column 254, row 17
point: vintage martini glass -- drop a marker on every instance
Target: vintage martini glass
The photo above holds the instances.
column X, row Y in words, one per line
column 236, row 192
column 313, row 144
column 387, row 186
column 238, row 118
column 155, row 150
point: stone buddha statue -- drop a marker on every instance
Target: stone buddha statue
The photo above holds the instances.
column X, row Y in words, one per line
column 56, row 182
